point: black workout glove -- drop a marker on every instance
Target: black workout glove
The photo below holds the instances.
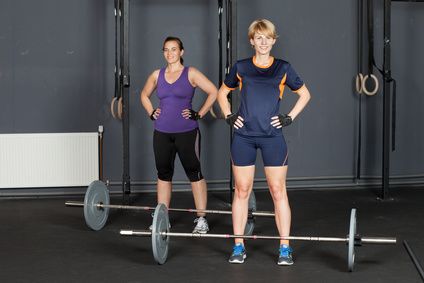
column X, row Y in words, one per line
column 151, row 115
column 285, row 120
column 194, row 115
column 231, row 118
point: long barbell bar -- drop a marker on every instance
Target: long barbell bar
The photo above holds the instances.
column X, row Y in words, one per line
column 97, row 204
column 362, row 240
column 134, row 207
column 160, row 236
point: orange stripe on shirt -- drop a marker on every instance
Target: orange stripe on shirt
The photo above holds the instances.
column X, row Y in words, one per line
column 241, row 81
column 263, row 67
column 282, row 84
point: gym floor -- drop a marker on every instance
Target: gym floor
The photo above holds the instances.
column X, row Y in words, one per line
column 41, row 240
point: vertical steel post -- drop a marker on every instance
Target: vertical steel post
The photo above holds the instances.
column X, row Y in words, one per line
column 125, row 85
column 386, row 101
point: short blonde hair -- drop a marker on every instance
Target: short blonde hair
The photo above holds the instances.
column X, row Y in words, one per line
column 263, row 26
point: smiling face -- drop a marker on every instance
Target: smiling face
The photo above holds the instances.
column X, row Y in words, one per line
column 262, row 43
column 172, row 51
column 262, row 36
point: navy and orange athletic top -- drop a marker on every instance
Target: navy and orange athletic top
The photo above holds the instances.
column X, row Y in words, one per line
column 261, row 90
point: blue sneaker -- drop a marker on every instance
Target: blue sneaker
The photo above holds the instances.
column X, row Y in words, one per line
column 285, row 255
column 238, row 255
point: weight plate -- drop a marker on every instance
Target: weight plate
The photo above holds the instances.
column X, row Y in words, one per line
column 250, row 226
column 160, row 224
column 96, row 217
column 351, row 244
column 252, row 201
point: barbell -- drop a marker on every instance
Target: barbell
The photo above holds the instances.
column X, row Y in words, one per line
column 97, row 204
column 160, row 236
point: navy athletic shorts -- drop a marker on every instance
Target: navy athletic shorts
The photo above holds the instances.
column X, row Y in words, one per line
column 273, row 149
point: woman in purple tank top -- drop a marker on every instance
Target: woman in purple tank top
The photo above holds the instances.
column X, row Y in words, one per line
column 176, row 127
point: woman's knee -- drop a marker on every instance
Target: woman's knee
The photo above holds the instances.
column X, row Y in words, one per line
column 278, row 191
column 242, row 191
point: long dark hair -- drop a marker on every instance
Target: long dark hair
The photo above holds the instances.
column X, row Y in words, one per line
column 178, row 41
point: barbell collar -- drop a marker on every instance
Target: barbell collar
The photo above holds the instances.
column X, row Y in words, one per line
column 378, row 240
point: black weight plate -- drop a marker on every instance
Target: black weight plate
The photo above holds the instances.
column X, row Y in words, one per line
column 250, row 226
column 252, row 201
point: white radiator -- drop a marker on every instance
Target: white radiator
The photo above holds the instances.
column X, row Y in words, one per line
column 48, row 160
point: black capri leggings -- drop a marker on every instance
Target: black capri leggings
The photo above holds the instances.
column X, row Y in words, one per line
column 187, row 145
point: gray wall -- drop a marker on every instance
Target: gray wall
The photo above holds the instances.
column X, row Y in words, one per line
column 56, row 75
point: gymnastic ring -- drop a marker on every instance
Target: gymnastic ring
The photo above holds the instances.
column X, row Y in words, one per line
column 112, row 107
column 358, row 82
column 364, row 88
column 120, row 108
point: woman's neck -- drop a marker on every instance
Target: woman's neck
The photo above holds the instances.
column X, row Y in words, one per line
column 174, row 67
column 263, row 59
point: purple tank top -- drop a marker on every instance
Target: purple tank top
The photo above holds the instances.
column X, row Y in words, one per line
column 173, row 99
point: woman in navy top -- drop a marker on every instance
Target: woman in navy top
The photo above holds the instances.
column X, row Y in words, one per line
column 258, row 125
